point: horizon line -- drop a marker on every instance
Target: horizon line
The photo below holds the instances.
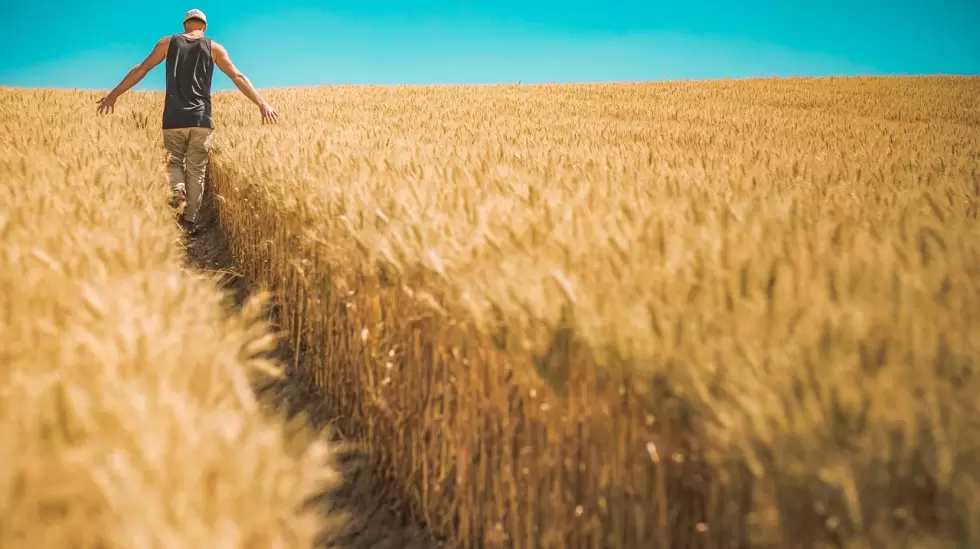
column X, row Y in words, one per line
column 540, row 83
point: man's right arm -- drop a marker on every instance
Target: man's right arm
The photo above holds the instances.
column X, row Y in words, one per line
column 223, row 61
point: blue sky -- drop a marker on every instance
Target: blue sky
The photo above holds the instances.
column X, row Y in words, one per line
column 89, row 44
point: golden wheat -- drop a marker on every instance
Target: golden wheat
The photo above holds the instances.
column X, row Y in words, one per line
column 721, row 314
column 126, row 412
column 774, row 284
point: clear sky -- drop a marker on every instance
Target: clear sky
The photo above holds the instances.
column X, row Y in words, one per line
column 91, row 44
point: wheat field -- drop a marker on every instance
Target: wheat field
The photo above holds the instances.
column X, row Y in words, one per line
column 692, row 314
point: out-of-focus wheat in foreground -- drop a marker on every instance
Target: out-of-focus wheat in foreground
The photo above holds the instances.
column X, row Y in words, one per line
column 689, row 314
column 126, row 415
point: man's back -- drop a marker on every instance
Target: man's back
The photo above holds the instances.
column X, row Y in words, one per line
column 190, row 67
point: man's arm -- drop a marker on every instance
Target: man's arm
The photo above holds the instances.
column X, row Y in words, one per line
column 137, row 73
column 223, row 61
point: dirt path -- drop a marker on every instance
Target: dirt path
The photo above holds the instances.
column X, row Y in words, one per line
column 372, row 522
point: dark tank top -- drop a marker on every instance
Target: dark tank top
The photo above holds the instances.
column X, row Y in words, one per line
column 189, row 71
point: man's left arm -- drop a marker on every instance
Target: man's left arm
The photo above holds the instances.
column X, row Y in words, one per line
column 159, row 53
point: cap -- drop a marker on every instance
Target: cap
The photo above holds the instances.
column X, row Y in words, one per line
column 196, row 14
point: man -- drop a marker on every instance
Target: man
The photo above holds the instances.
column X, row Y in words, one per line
column 187, row 128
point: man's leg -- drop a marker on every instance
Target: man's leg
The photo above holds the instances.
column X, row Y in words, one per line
column 198, row 151
column 175, row 142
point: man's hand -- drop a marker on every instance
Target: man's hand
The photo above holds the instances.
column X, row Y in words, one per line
column 107, row 104
column 269, row 115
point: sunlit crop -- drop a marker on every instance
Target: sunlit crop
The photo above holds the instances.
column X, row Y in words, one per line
column 698, row 314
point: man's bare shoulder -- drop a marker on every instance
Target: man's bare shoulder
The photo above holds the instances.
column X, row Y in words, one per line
column 162, row 44
column 220, row 55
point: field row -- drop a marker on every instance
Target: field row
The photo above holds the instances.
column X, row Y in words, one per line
column 688, row 314
column 126, row 413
